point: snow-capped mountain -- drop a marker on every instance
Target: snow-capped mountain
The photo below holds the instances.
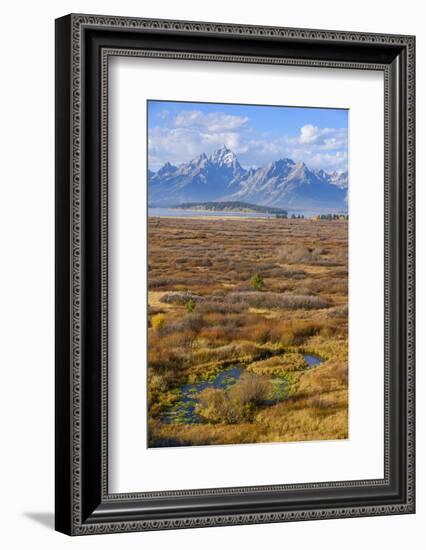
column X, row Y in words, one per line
column 205, row 178
column 336, row 178
column 219, row 176
column 288, row 184
column 340, row 179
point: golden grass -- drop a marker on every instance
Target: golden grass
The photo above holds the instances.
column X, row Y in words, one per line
column 214, row 262
column 154, row 300
column 274, row 366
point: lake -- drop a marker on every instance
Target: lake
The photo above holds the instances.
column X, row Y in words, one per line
column 175, row 213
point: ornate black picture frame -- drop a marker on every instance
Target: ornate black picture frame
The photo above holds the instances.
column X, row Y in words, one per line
column 83, row 45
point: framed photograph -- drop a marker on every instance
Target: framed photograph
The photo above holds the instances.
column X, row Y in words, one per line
column 234, row 274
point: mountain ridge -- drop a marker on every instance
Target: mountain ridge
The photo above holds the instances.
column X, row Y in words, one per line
column 219, row 176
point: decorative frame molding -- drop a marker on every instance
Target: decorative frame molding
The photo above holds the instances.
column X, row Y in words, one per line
column 84, row 43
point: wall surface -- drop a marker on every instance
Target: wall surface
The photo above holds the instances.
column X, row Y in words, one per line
column 26, row 289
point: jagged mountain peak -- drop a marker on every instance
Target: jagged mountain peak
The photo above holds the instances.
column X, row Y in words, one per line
column 219, row 176
column 223, row 150
column 339, row 178
column 300, row 170
column 276, row 166
column 321, row 173
column 199, row 159
column 167, row 168
column 223, row 156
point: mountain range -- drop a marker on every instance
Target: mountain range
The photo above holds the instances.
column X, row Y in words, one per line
column 219, row 176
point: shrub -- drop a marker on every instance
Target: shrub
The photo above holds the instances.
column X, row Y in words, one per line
column 169, row 283
column 296, row 254
column 302, row 254
column 275, row 366
column 178, row 298
column 203, row 262
column 190, row 305
column 163, row 282
column 214, row 405
column 165, row 361
column 340, row 311
column 321, row 403
column 236, row 405
column 170, row 352
column 218, row 293
column 192, row 322
column 158, row 322
column 250, row 388
column 341, row 373
column 257, row 282
column 303, row 330
column 261, row 332
column 218, row 305
column 221, row 353
column 274, row 300
column 157, row 385
column 286, row 273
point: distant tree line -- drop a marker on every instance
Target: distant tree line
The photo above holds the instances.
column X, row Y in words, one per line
column 332, row 217
column 317, row 217
column 284, row 216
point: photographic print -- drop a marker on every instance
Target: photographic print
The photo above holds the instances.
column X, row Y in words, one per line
column 247, row 273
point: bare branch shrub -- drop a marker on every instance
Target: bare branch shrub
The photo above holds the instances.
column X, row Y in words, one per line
column 178, row 298
column 250, row 388
column 273, row 300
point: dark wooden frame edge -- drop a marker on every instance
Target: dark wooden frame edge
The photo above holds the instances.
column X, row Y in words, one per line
column 83, row 504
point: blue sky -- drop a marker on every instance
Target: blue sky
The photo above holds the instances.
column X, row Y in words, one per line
column 179, row 131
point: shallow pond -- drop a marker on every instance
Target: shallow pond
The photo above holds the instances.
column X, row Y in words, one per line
column 183, row 410
column 312, row 360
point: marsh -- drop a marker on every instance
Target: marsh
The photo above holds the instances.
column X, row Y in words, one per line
column 247, row 330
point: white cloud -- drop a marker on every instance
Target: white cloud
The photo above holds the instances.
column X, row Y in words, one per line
column 309, row 133
column 191, row 133
column 177, row 145
column 211, row 122
column 333, row 161
column 325, row 138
